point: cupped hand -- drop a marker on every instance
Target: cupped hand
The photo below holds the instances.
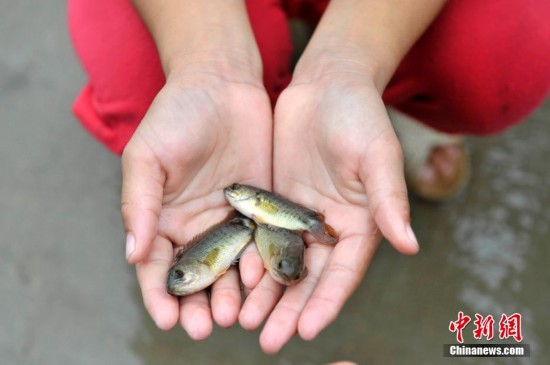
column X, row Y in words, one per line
column 201, row 133
column 334, row 151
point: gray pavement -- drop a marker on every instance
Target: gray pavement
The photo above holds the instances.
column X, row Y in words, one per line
column 68, row 297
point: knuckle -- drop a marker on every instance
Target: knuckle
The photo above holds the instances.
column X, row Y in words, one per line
column 288, row 309
column 391, row 201
column 125, row 210
column 346, row 271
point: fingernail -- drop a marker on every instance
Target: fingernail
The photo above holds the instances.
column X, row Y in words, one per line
column 411, row 235
column 130, row 245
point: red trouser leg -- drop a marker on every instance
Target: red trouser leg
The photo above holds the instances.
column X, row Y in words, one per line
column 123, row 65
column 481, row 67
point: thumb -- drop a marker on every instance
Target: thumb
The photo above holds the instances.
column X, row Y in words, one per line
column 383, row 176
column 142, row 189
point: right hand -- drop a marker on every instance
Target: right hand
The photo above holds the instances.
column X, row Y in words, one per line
column 203, row 131
column 335, row 152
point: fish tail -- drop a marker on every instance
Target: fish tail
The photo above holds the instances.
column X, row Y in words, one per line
column 324, row 233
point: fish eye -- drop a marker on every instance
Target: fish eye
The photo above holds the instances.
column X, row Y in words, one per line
column 179, row 274
column 235, row 186
column 280, row 265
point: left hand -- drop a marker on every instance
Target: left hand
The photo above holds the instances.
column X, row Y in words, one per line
column 201, row 134
column 334, row 146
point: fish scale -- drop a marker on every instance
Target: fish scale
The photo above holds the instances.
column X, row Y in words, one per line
column 278, row 212
column 225, row 239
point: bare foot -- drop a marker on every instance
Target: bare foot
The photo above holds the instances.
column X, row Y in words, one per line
column 437, row 164
column 445, row 173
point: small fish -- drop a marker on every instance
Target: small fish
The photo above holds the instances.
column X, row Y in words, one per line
column 209, row 256
column 282, row 252
column 265, row 207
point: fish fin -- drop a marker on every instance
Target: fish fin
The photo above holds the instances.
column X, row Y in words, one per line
column 181, row 251
column 324, row 233
column 257, row 219
column 315, row 215
column 189, row 245
column 268, row 206
column 220, row 274
column 238, row 257
column 195, row 240
column 212, row 256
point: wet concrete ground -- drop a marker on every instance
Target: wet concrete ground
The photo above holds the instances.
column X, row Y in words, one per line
column 67, row 296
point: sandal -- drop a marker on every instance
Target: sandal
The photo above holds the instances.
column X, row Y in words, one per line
column 437, row 165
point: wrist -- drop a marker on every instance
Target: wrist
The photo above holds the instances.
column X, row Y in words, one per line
column 230, row 65
column 365, row 37
column 328, row 61
column 203, row 36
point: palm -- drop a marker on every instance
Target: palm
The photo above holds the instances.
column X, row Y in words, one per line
column 321, row 147
column 198, row 141
column 200, row 161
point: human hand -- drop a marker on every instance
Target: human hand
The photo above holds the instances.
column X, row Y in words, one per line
column 334, row 151
column 202, row 133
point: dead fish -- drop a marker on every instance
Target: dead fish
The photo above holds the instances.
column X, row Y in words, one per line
column 209, row 256
column 265, row 207
column 282, row 252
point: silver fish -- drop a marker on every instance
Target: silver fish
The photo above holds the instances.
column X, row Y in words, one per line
column 282, row 252
column 209, row 256
column 265, row 207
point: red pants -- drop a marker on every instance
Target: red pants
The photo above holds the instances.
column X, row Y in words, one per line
column 481, row 67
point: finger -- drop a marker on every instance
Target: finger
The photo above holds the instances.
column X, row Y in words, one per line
column 151, row 274
column 226, row 298
column 260, row 302
column 283, row 321
column 251, row 266
column 195, row 315
column 383, row 176
column 341, row 276
column 142, row 188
